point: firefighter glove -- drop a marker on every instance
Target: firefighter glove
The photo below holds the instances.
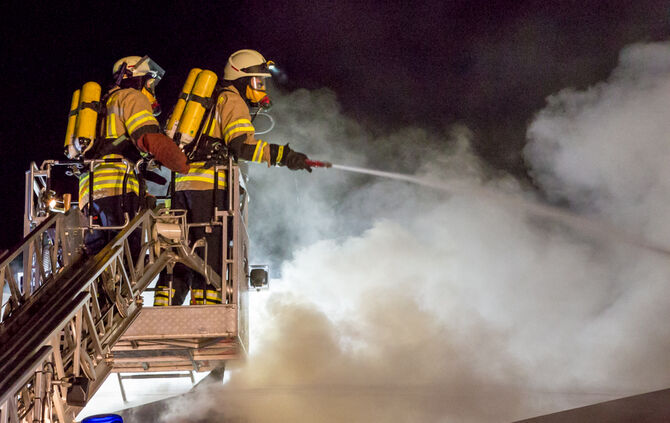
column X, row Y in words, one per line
column 282, row 155
column 164, row 150
column 296, row 161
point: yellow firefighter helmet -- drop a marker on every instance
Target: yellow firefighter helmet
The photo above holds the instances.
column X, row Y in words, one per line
column 244, row 63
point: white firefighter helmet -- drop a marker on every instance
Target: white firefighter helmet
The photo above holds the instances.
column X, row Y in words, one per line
column 140, row 73
column 246, row 63
column 138, row 66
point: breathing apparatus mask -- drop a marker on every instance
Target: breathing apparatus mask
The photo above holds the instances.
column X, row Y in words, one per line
column 256, row 92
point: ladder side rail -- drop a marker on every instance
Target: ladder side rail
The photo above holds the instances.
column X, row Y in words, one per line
column 12, row 395
column 23, row 345
column 29, row 211
column 32, row 236
column 30, row 244
column 42, row 240
column 36, row 183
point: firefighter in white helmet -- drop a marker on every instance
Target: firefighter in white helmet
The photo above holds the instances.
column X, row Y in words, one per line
column 244, row 86
column 128, row 129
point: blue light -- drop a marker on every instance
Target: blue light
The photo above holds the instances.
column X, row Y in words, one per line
column 103, row 418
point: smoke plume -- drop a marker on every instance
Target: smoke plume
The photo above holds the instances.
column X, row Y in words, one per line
column 395, row 302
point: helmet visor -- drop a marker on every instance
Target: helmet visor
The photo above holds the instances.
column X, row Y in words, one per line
column 257, row 83
column 154, row 69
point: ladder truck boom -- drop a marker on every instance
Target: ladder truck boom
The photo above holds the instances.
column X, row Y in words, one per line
column 62, row 332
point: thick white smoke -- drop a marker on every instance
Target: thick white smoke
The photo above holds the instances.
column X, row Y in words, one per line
column 605, row 150
column 400, row 303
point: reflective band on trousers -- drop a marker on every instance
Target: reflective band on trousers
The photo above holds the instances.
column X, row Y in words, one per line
column 161, row 297
column 208, row 302
column 198, row 174
column 213, row 296
column 108, row 180
column 161, row 301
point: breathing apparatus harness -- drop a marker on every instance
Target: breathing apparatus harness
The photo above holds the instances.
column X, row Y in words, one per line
column 210, row 149
column 122, row 144
column 206, row 148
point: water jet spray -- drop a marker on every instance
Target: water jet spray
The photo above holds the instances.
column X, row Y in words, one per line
column 597, row 228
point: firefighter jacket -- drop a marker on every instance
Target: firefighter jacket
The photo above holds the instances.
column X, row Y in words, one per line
column 128, row 116
column 231, row 125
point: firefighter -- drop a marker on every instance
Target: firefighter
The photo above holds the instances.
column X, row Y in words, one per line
column 128, row 129
column 243, row 87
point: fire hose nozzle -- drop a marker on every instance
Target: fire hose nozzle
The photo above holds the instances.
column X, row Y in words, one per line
column 317, row 163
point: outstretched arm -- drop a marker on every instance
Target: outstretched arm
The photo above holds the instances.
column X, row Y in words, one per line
column 272, row 154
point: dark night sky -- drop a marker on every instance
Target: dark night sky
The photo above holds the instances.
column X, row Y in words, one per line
column 487, row 64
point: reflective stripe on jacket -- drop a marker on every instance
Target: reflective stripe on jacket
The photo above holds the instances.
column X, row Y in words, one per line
column 127, row 111
column 199, row 178
column 232, row 120
column 107, row 181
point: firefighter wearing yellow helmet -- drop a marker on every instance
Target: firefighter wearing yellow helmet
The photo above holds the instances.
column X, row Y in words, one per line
column 127, row 129
column 243, row 86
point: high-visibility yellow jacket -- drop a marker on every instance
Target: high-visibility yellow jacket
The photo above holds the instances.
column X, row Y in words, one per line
column 129, row 116
column 232, row 125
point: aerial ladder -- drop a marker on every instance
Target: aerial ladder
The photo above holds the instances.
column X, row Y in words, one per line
column 69, row 320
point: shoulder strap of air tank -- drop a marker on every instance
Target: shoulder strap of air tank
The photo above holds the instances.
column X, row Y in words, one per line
column 206, row 102
column 200, row 143
column 104, row 146
column 211, row 115
column 101, row 108
column 102, row 116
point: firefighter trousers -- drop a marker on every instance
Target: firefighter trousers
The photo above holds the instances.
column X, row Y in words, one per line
column 199, row 209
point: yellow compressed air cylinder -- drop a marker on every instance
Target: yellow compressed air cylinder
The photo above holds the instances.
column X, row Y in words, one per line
column 88, row 115
column 71, row 122
column 195, row 109
column 175, row 118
